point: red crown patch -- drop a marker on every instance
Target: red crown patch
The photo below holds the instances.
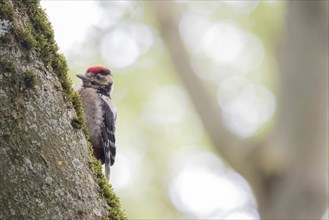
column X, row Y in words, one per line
column 96, row 69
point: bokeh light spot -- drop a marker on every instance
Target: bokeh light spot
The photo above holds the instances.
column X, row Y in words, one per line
column 222, row 42
column 121, row 47
column 246, row 106
column 114, row 12
column 201, row 192
column 192, row 34
column 251, row 56
column 325, row 216
column 71, row 32
column 122, row 174
column 118, row 49
column 141, row 34
column 203, row 186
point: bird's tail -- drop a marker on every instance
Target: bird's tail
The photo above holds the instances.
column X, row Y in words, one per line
column 107, row 169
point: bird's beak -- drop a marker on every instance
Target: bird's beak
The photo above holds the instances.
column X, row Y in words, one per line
column 82, row 76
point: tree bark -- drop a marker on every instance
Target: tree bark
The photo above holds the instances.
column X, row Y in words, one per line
column 47, row 170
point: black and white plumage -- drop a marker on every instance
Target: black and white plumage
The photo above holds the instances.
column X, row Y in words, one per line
column 100, row 113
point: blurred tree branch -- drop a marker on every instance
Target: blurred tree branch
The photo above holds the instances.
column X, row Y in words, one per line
column 207, row 109
column 273, row 169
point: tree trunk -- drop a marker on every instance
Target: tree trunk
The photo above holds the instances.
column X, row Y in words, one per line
column 300, row 187
column 46, row 167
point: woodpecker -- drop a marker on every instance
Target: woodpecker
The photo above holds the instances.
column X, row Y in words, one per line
column 100, row 112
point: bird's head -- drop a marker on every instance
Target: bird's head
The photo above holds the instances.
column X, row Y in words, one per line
column 98, row 77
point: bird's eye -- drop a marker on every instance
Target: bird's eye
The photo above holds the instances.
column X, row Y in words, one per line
column 98, row 77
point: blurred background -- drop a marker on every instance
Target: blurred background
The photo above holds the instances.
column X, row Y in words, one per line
column 222, row 105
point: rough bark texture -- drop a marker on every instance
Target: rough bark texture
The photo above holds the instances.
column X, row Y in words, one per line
column 288, row 173
column 46, row 168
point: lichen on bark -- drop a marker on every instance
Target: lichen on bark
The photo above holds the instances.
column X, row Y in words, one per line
column 47, row 168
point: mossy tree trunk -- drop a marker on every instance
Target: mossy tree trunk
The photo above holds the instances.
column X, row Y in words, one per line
column 46, row 168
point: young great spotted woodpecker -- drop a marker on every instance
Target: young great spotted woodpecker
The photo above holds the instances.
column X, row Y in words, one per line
column 100, row 113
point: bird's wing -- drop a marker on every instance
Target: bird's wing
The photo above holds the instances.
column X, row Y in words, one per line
column 108, row 130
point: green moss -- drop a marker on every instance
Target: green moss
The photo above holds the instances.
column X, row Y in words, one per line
column 60, row 68
column 25, row 38
column 42, row 32
column 23, row 35
column 7, row 67
column 40, row 22
column 30, row 79
column 38, row 33
column 18, row 124
column 76, row 101
column 76, row 123
column 106, row 192
column 6, row 10
column 5, row 39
